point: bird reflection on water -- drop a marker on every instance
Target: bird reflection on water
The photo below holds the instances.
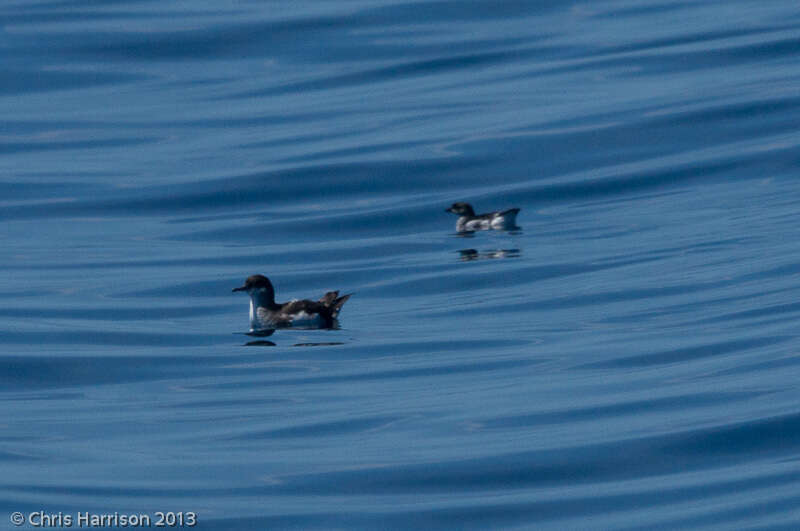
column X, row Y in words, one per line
column 261, row 342
column 467, row 255
column 269, row 331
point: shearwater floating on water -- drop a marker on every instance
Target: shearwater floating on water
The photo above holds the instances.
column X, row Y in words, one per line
column 265, row 313
column 468, row 221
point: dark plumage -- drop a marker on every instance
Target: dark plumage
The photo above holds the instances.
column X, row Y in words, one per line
column 266, row 313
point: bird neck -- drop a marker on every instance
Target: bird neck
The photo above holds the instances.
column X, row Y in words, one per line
column 262, row 299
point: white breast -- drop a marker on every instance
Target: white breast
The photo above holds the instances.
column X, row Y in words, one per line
column 254, row 324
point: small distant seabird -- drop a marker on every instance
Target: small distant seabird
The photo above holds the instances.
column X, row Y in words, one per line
column 469, row 221
column 265, row 313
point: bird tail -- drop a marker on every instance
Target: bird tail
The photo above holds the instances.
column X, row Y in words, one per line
column 510, row 215
column 329, row 298
column 338, row 303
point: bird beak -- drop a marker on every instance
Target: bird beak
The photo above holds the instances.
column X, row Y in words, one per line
column 243, row 288
column 448, row 209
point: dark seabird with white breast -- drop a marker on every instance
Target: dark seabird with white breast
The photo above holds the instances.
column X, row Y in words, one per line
column 468, row 221
column 265, row 313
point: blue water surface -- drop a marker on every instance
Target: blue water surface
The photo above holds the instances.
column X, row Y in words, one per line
column 627, row 360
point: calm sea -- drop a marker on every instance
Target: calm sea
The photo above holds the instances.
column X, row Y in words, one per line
column 627, row 360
